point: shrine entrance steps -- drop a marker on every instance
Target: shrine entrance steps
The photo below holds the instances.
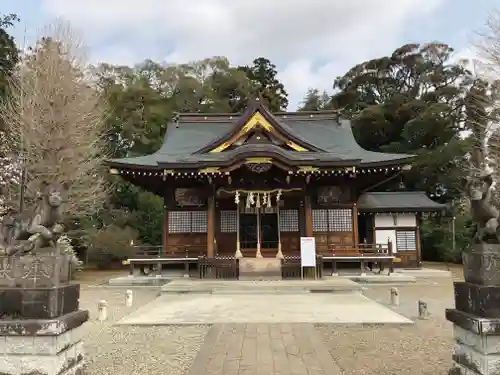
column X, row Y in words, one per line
column 330, row 285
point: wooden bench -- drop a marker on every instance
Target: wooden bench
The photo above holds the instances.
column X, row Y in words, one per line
column 382, row 259
column 362, row 253
column 152, row 256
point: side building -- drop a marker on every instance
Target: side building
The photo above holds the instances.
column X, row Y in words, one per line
column 252, row 184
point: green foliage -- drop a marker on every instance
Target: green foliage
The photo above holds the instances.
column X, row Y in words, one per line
column 437, row 237
column 411, row 102
column 315, row 101
column 111, row 245
column 9, row 54
column 263, row 76
column 148, row 218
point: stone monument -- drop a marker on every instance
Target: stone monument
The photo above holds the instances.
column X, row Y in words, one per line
column 476, row 316
column 40, row 320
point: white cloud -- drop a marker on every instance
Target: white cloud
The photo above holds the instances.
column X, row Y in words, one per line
column 311, row 41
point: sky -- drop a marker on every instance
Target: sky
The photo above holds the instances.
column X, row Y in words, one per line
column 310, row 41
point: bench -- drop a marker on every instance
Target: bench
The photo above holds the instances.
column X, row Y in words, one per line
column 382, row 259
column 152, row 256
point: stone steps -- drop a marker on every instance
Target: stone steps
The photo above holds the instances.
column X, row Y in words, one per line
column 261, row 287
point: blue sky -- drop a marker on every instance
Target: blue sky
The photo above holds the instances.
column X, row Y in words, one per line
column 311, row 41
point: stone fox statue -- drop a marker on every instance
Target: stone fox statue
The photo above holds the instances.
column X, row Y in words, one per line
column 35, row 228
column 483, row 213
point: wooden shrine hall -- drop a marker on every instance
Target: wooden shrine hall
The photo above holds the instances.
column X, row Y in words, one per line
column 252, row 184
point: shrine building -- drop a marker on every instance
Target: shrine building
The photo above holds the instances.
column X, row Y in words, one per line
column 253, row 184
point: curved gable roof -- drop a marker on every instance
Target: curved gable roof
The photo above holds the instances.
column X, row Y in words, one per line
column 329, row 137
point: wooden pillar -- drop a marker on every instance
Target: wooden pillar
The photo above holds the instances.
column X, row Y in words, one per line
column 211, row 225
column 308, row 213
column 355, row 228
column 238, row 254
column 279, row 254
column 417, row 241
column 167, row 199
column 258, row 254
column 391, row 253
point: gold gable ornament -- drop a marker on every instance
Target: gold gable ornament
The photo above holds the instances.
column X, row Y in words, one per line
column 257, row 120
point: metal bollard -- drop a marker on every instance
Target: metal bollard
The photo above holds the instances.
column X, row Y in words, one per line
column 423, row 313
column 129, row 297
column 394, row 296
column 102, row 308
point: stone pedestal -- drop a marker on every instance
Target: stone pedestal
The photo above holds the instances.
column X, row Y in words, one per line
column 476, row 317
column 40, row 321
column 260, row 269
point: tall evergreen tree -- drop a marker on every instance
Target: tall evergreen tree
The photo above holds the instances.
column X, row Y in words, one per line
column 263, row 75
column 412, row 102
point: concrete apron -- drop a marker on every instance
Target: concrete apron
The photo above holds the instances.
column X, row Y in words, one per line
column 203, row 308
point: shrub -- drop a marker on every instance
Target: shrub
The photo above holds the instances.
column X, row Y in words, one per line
column 111, row 245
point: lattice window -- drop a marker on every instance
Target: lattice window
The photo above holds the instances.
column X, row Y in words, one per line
column 187, row 221
column 332, row 220
column 406, row 240
column 340, row 220
column 320, row 220
column 179, row 222
column 228, row 221
column 289, row 220
column 199, row 221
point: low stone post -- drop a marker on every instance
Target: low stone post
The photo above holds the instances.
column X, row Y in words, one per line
column 129, row 298
column 423, row 312
column 102, row 308
column 394, row 296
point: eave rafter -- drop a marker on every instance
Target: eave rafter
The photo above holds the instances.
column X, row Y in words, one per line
column 214, row 172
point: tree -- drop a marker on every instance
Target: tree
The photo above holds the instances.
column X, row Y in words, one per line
column 9, row 57
column 144, row 98
column 9, row 54
column 489, row 45
column 54, row 120
column 484, row 101
column 263, row 75
column 413, row 102
column 315, row 101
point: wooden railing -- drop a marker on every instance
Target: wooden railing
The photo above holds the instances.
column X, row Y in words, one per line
column 331, row 249
column 219, row 267
column 365, row 254
column 172, row 251
column 227, row 267
column 291, row 268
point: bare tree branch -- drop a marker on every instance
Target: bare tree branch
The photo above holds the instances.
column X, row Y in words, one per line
column 54, row 120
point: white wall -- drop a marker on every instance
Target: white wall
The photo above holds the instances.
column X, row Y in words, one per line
column 403, row 220
column 382, row 237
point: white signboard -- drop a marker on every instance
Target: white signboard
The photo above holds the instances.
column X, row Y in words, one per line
column 307, row 252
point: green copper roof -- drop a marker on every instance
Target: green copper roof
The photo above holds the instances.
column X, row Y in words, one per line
column 399, row 201
column 334, row 139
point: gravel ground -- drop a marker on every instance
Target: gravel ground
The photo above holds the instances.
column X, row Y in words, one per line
column 421, row 349
column 424, row 348
column 125, row 350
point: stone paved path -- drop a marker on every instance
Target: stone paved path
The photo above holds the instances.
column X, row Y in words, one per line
column 263, row 349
